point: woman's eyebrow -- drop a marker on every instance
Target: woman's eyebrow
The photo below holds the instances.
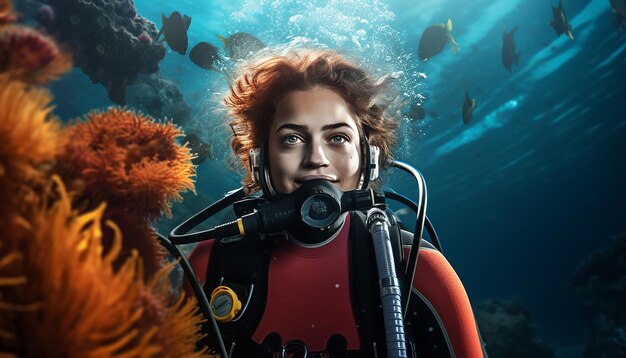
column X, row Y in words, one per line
column 296, row 127
column 336, row 125
column 302, row 128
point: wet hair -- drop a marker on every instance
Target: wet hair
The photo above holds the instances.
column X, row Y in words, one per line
column 262, row 83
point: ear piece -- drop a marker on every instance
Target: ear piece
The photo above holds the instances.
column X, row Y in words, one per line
column 374, row 155
column 255, row 163
column 259, row 169
column 370, row 168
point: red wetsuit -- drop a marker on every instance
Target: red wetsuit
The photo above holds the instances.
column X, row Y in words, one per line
column 309, row 299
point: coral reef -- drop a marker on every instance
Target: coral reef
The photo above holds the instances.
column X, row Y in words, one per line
column 63, row 297
column 29, row 140
column 110, row 42
column 71, row 285
column 601, row 280
column 29, row 56
column 160, row 98
column 134, row 164
column 128, row 157
column 507, row 330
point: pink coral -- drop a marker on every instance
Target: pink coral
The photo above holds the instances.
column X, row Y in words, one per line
column 144, row 37
column 30, row 56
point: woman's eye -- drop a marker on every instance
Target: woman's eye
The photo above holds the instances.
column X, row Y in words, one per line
column 339, row 139
column 290, row 139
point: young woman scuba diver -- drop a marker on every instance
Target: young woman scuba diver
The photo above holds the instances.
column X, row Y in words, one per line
column 315, row 266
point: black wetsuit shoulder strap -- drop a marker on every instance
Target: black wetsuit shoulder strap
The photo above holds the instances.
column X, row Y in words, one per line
column 242, row 265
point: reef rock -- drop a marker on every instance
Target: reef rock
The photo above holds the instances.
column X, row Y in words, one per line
column 508, row 331
column 110, row 42
column 160, row 98
column 601, row 280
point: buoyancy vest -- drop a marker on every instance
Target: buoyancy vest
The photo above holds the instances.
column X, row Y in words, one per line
column 439, row 324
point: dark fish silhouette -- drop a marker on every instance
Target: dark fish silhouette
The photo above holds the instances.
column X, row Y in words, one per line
column 241, row 45
column 416, row 111
column 205, row 56
column 468, row 108
column 116, row 90
column 434, row 39
column 175, row 29
column 559, row 21
column 509, row 57
column 200, row 149
column 618, row 7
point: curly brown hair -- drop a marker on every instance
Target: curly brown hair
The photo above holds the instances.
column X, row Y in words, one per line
column 263, row 83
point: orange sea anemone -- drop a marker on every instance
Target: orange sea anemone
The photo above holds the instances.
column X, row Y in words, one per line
column 135, row 165
column 140, row 236
column 30, row 56
column 30, row 138
column 128, row 160
column 67, row 300
column 173, row 320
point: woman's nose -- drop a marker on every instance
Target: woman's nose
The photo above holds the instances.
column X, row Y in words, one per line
column 316, row 156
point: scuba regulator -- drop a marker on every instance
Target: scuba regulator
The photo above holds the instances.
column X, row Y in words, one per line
column 314, row 209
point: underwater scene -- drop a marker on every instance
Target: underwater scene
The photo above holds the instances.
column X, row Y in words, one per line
column 513, row 111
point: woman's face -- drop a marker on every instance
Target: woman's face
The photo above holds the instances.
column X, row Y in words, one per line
column 313, row 136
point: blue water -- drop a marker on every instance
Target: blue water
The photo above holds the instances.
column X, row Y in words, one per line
column 520, row 195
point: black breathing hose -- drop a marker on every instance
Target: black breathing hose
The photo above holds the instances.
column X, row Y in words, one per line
column 390, row 295
column 409, row 272
column 428, row 225
column 180, row 235
column 203, row 301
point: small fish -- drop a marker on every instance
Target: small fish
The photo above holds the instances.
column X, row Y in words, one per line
column 205, row 55
column 241, row 45
column 434, row 39
column 416, row 111
column 175, row 29
column 559, row 21
column 403, row 212
column 618, row 7
column 468, row 108
column 200, row 149
column 116, row 89
column 45, row 14
column 509, row 57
